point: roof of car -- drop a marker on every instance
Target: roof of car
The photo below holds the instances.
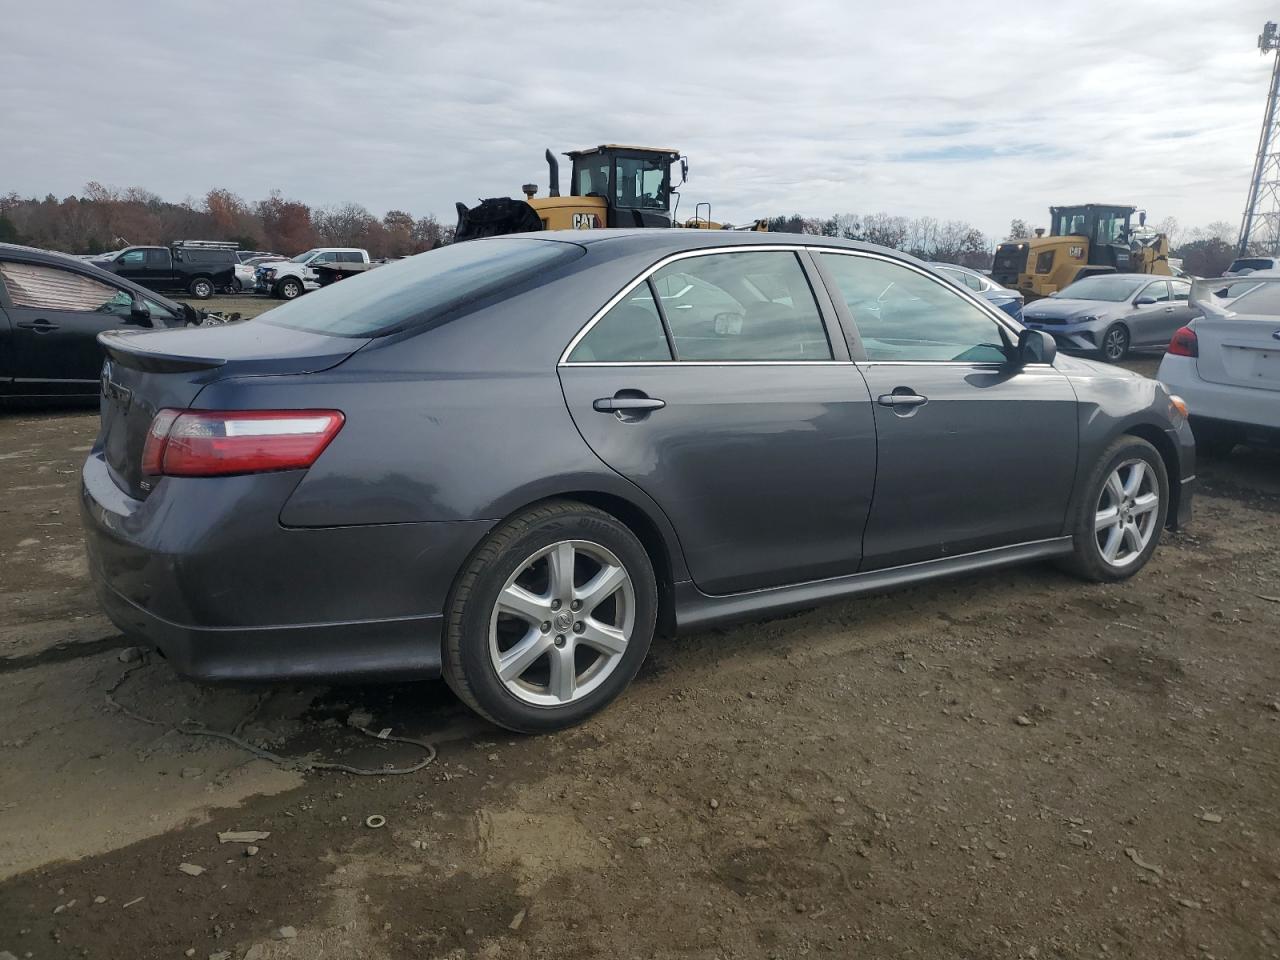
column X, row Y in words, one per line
column 675, row 239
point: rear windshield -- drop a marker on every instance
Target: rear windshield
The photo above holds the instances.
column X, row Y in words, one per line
column 1263, row 301
column 421, row 288
column 1249, row 263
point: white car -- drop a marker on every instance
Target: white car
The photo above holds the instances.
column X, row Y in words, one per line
column 1246, row 266
column 287, row 279
column 1225, row 365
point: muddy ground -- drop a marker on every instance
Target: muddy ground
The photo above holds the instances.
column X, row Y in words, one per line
column 1007, row 765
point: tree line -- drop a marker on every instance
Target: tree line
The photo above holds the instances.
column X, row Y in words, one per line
column 103, row 218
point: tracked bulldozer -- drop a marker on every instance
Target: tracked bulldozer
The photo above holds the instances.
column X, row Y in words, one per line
column 1083, row 241
column 612, row 185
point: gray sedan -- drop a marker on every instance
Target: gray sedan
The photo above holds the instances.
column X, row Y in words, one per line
column 513, row 461
column 1106, row 316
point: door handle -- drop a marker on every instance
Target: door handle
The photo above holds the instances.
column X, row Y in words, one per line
column 628, row 404
column 39, row 326
column 901, row 400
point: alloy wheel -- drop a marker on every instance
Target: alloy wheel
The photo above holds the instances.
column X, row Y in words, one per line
column 561, row 623
column 1128, row 507
column 1115, row 344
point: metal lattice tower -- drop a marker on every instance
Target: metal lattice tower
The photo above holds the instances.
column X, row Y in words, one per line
column 1260, row 229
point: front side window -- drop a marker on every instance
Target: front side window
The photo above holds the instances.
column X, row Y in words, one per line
column 741, row 306
column 641, row 183
column 324, row 258
column 631, row 332
column 133, row 258
column 904, row 315
column 1158, row 291
column 304, row 257
column 42, row 287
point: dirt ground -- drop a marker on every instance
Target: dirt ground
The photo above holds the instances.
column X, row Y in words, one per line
column 1007, row 765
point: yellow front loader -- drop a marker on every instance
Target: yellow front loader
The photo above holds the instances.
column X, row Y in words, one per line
column 1083, row 241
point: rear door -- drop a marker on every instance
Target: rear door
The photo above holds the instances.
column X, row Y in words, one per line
column 970, row 454
column 1183, row 311
column 56, row 316
column 728, row 401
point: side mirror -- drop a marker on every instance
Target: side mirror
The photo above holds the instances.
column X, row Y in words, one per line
column 1144, row 301
column 1036, row 346
column 140, row 313
column 1054, row 294
column 684, row 169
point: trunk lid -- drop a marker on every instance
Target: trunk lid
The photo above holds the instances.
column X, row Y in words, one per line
column 146, row 371
column 1241, row 351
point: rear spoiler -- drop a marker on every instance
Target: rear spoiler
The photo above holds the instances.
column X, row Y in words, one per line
column 122, row 347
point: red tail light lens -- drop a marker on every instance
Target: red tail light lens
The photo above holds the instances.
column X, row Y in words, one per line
column 1184, row 343
column 218, row 443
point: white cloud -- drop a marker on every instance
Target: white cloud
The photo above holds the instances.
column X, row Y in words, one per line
column 814, row 106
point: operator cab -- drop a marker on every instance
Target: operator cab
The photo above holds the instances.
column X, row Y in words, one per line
column 634, row 182
column 1105, row 227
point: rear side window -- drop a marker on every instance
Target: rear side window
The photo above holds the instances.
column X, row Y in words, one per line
column 350, row 256
column 741, row 306
column 631, row 332
column 1181, row 291
column 49, row 288
column 423, row 288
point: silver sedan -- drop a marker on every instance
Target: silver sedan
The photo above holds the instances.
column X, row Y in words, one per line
column 1107, row 315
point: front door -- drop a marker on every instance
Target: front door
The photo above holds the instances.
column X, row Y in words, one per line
column 728, row 403
column 970, row 454
column 56, row 316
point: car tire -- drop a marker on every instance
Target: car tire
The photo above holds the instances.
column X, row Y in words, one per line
column 201, row 288
column 530, row 674
column 1115, row 343
column 289, row 289
column 1116, row 504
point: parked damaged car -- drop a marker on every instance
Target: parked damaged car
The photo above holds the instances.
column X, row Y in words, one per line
column 52, row 308
column 513, row 461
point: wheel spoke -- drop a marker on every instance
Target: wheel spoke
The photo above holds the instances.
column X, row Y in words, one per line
column 602, row 637
column 1132, row 537
column 564, row 679
column 1114, row 536
column 560, row 565
column 600, row 587
column 1106, row 518
column 1146, row 503
column 1116, row 488
column 519, row 658
column 1137, row 473
column 519, row 602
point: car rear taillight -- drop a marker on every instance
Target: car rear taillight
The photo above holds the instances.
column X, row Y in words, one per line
column 218, row 443
column 1184, row 343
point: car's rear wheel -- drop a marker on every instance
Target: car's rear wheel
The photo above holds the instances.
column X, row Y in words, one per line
column 289, row 289
column 1115, row 343
column 201, row 288
column 551, row 618
column 1118, row 521
column 236, row 285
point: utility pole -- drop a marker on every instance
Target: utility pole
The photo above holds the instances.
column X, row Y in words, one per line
column 1260, row 229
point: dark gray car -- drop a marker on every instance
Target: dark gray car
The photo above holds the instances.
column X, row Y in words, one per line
column 1108, row 315
column 513, row 460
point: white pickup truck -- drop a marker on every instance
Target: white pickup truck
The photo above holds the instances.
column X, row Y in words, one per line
column 288, row 279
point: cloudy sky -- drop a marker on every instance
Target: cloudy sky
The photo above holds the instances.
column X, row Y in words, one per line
column 810, row 106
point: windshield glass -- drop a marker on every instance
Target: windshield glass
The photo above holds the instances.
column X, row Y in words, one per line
column 1262, row 301
column 303, row 257
column 1113, row 289
column 641, row 183
column 422, row 288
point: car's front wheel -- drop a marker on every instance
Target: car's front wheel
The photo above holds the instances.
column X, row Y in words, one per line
column 551, row 618
column 289, row 289
column 1115, row 343
column 1118, row 520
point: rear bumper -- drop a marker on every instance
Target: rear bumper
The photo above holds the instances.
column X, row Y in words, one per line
column 203, row 570
column 1244, row 407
